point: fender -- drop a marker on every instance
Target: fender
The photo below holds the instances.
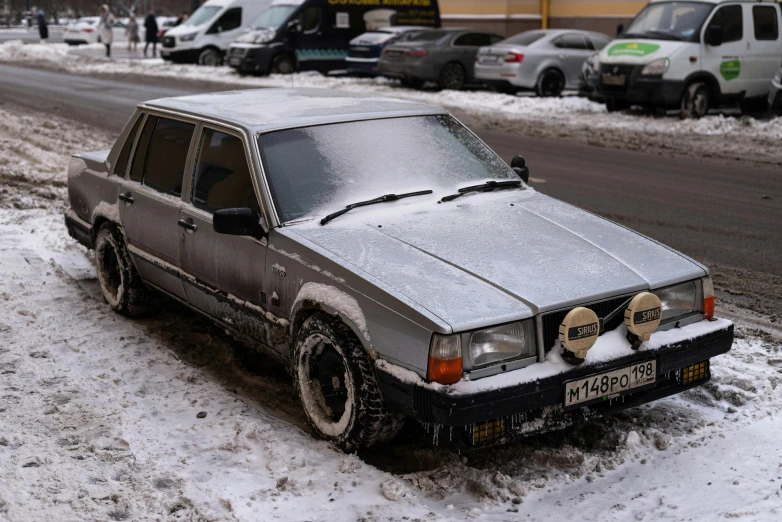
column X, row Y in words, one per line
column 104, row 211
column 333, row 301
column 705, row 76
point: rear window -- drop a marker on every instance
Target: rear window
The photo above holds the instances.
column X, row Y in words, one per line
column 764, row 18
column 525, row 38
column 124, row 154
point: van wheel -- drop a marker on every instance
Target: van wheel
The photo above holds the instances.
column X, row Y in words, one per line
column 121, row 285
column 452, row 76
column 283, row 64
column 550, row 84
column 337, row 387
column 696, row 101
column 210, row 58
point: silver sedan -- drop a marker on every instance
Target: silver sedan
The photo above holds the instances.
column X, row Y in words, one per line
column 546, row 61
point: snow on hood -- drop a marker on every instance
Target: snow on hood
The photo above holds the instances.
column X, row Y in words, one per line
column 640, row 51
column 485, row 259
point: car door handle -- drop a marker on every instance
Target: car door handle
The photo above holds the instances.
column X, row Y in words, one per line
column 188, row 224
column 126, row 197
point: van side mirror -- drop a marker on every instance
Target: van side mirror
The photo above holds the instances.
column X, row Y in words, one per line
column 294, row 26
column 619, row 29
column 714, row 35
column 519, row 166
column 237, row 222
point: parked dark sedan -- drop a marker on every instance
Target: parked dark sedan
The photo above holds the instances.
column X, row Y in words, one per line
column 445, row 56
column 365, row 49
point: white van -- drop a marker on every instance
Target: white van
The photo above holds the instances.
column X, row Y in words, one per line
column 693, row 55
column 206, row 35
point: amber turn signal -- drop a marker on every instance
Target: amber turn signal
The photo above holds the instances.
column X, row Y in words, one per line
column 447, row 371
column 708, row 298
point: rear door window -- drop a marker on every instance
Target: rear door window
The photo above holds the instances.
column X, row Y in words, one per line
column 140, row 156
column 571, row 41
column 598, row 42
column 167, row 155
column 472, row 40
column 124, row 155
column 764, row 18
column 222, row 174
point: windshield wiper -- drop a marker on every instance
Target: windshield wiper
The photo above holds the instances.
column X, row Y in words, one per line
column 489, row 186
column 381, row 199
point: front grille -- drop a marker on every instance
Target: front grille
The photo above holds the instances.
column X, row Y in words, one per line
column 237, row 51
column 168, row 41
column 551, row 321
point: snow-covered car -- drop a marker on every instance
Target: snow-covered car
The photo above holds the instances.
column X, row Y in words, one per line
column 86, row 30
column 418, row 275
column 546, row 61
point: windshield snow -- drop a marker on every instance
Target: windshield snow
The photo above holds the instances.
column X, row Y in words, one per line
column 313, row 171
column 273, row 17
column 669, row 20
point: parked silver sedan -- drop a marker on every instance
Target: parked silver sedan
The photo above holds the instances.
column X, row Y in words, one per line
column 393, row 262
column 546, row 61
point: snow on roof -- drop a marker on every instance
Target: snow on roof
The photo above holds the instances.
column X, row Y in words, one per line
column 270, row 109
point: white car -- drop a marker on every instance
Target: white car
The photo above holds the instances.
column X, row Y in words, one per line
column 86, row 31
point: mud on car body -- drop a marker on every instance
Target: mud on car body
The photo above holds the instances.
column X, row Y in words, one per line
column 417, row 275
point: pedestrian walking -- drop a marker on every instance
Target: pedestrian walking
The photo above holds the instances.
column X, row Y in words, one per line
column 43, row 29
column 150, row 24
column 106, row 28
column 181, row 18
column 131, row 31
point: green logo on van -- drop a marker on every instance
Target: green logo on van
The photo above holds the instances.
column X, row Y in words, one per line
column 632, row 49
column 730, row 70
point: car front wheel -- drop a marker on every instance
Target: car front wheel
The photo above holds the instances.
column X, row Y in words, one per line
column 283, row 64
column 696, row 101
column 120, row 284
column 210, row 58
column 337, row 387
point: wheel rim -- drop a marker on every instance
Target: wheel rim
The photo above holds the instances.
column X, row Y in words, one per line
column 453, row 77
column 110, row 277
column 700, row 103
column 209, row 58
column 284, row 66
column 551, row 84
column 325, row 386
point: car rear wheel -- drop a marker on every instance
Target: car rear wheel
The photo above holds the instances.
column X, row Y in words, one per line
column 452, row 76
column 210, row 58
column 283, row 64
column 120, row 284
column 550, row 84
column 696, row 101
column 337, row 387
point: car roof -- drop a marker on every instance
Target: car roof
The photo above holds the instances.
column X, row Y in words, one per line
column 263, row 110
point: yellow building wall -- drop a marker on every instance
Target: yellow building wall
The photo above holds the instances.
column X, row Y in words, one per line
column 605, row 8
column 490, row 7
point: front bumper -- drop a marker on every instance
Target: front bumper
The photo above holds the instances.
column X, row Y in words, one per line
column 536, row 405
column 362, row 66
column 180, row 55
column 652, row 91
column 250, row 58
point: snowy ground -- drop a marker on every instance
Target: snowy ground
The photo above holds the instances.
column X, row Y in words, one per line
column 571, row 117
column 101, row 416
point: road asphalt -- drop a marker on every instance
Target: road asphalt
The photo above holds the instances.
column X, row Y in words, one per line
column 727, row 216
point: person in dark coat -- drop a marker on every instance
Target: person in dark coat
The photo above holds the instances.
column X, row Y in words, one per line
column 43, row 29
column 150, row 24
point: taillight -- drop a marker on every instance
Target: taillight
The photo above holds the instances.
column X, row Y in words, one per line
column 512, row 57
column 708, row 298
column 445, row 359
column 87, row 29
column 418, row 53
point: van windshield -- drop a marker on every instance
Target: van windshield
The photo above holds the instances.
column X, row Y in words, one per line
column 669, row 21
column 273, row 17
column 203, row 14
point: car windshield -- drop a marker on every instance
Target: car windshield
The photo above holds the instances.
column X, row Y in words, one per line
column 313, row 171
column 273, row 17
column 203, row 14
column 526, row 38
column 669, row 20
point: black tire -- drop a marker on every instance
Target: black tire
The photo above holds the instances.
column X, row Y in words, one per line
column 335, row 382
column 508, row 89
column 616, row 105
column 284, row 64
column 412, row 83
column 210, row 57
column 696, row 101
column 550, row 84
column 122, row 287
column 452, row 76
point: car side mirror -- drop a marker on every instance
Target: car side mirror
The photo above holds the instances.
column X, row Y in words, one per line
column 714, row 35
column 238, row 222
column 519, row 166
column 619, row 29
column 294, row 26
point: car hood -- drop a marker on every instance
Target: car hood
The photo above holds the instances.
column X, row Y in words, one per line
column 489, row 258
column 638, row 52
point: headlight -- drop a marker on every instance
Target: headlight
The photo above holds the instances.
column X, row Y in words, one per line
column 656, row 67
column 267, row 35
column 187, row 37
column 501, row 343
column 678, row 301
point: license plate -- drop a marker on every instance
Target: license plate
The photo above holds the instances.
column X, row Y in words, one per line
column 490, row 59
column 604, row 386
column 235, row 61
column 609, row 79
